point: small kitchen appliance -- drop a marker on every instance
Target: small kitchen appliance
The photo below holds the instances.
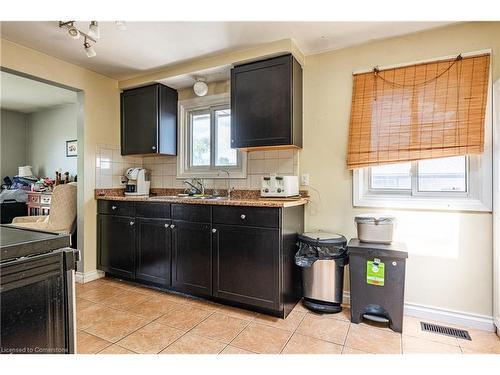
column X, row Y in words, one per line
column 279, row 186
column 138, row 182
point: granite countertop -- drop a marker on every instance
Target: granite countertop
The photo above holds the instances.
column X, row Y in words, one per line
column 250, row 200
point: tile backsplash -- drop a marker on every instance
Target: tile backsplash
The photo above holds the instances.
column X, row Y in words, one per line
column 110, row 165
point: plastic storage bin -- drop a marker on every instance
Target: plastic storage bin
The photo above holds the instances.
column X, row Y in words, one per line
column 375, row 228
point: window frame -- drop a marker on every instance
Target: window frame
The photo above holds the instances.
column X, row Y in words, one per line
column 476, row 198
column 480, row 180
column 204, row 104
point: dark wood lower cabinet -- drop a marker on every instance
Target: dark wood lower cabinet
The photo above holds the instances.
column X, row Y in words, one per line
column 215, row 252
column 153, row 254
column 192, row 257
column 247, row 265
column 116, row 245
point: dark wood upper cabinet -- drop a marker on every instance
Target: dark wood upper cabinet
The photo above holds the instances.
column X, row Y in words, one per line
column 266, row 103
column 149, row 120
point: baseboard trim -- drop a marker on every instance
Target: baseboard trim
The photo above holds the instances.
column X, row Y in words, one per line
column 470, row 320
column 85, row 277
column 497, row 324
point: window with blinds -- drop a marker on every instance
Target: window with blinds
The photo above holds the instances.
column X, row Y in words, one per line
column 422, row 111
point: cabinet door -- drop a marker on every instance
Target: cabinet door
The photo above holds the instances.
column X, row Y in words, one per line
column 191, row 257
column 246, row 265
column 153, row 251
column 261, row 112
column 116, row 245
column 139, row 120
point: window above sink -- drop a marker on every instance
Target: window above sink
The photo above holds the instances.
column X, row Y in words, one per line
column 205, row 140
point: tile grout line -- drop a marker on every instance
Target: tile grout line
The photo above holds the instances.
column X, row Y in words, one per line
column 293, row 332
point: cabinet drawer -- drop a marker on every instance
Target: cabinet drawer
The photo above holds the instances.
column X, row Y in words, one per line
column 118, row 208
column 251, row 216
column 152, row 210
column 188, row 212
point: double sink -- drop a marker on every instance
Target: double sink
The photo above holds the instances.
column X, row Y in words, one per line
column 197, row 197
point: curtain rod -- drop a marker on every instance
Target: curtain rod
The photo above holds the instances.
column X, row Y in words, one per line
column 401, row 65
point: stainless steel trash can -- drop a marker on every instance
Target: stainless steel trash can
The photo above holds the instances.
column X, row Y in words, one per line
column 322, row 256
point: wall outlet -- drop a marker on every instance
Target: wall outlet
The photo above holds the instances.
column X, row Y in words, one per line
column 304, row 179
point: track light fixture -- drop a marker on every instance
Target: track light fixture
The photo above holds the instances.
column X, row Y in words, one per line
column 91, row 36
column 89, row 50
column 94, row 30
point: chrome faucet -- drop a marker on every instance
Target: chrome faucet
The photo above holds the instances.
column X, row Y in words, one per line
column 228, row 183
column 200, row 189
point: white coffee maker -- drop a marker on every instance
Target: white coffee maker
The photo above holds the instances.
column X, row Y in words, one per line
column 138, row 182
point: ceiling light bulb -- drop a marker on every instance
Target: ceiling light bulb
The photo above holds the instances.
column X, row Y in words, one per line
column 200, row 87
column 89, row 49
column 94, row 30
column 121, row 25
column 73, row 32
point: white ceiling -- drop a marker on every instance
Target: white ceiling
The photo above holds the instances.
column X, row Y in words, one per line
column 26, row 95
column 147, row 46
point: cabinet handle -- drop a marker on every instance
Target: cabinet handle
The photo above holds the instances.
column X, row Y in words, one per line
column 113, row 207
column 153, row 148
column 214, row 230
column 172, row 226
column 243, row 216
column 132, row 223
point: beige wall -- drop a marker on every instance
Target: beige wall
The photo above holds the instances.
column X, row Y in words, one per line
column 48, row 131
column 101, row 120
column 450, row 260
column 13, row 150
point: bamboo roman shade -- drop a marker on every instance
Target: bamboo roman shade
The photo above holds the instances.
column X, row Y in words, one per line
column 421, row 111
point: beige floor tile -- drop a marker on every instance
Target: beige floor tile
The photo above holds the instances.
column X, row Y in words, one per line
column 153, row 308
column 234, row 350
column 89, row 344
column 373, row 340
column 151, row 339
column 82, row 304
column 203, row 304
column 116, row 326
column 259, row 338
column 220, row 327
column 300, row 344
column 101, row 293
column 82, row 288
column 93, row 314
column 333, row 330
column 344, row 315
column 290, row 323
column 482, row 342
column 116, row 349
column 237, row 313
column 194, row 344
column 125, row 300
column 299, row 307
column 415, row 345
column 411, row 327
column 183, row 317
column 347, row 350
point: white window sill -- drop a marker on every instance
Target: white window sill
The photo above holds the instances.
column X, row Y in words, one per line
column 421, row 203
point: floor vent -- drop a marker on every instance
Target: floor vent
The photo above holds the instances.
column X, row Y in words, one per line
column 448, row 331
